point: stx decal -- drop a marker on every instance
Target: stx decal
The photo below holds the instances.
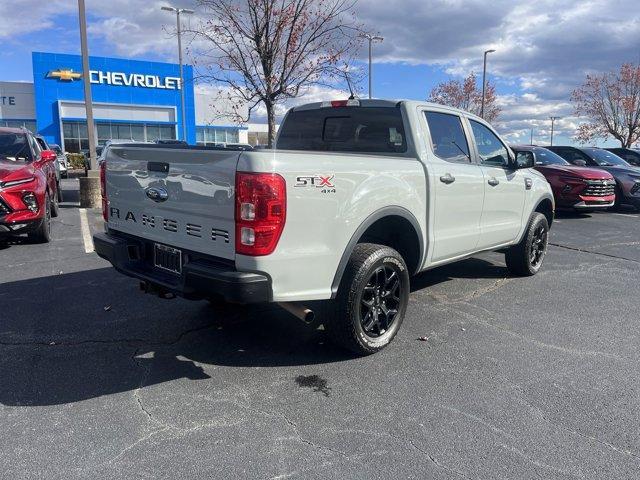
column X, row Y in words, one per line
column 317, row 181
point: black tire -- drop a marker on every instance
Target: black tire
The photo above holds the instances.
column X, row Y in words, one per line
column 375, row 283
column 42, row 234
column 526, row 258
column 55, row 204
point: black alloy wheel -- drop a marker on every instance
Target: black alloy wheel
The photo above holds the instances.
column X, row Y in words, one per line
column 380, row 301
column 538, row 247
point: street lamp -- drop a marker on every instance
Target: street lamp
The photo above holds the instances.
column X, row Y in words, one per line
column 178, row 12
column 484, row 80
column 553, row 121
column 371, row 38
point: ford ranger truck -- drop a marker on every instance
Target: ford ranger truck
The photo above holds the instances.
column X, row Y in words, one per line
column 357, row 196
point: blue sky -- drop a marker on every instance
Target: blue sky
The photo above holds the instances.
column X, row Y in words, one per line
column 543, row 49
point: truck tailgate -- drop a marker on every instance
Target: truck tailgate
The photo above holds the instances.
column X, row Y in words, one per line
column 181, row 197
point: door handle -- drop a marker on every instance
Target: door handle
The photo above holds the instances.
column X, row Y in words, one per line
column 447, row 178
column 493, row 181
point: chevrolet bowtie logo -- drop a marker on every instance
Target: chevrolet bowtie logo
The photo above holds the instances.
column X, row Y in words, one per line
column 67, row 74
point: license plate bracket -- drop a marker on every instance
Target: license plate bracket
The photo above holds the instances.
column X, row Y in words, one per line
column 167, row 258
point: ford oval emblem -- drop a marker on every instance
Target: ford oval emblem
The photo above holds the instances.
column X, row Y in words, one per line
column 157, row 194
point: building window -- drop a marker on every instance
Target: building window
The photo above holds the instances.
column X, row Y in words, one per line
column 76, row 137
column 216, row 135
column 75, row 133
column 28, row 124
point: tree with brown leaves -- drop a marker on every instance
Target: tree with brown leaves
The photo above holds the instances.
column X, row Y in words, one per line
column 466, row 95
column 264, row 51
column 611, row 104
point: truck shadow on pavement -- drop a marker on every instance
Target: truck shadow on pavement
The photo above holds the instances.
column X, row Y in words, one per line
column 91, row 333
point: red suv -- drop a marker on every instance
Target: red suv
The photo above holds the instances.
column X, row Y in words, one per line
column 574, row 187
column 28, row 187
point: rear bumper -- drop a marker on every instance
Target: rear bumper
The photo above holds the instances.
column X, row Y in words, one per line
column 202, row 277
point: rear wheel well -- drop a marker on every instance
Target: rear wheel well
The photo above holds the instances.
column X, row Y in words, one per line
column 545, row 207
column 398, row 233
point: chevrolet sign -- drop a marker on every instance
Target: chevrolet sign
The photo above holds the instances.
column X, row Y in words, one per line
column 134, row 80
column 119, row 79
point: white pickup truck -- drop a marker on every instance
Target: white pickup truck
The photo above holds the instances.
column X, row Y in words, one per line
column 357, row 196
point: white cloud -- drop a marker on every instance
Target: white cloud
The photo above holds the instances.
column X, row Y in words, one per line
column 543, row 49
column 21, row 17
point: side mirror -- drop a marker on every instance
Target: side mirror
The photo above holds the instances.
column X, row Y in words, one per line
column 579, row 163
column 524, row 160
column 48, row 156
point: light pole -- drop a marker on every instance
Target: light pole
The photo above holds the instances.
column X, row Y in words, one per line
column 371, row 38
column 88, row 104
column 179, row 11
column 553, row 121
column 484, row 80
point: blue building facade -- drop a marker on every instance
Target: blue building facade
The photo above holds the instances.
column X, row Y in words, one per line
column 132, row 99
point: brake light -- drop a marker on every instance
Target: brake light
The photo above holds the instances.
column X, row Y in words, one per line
column 103, row 190
column 261, row 207
column 342, row 103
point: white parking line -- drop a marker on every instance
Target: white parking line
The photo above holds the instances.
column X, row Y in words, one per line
column 86, row 233
column 626, row 215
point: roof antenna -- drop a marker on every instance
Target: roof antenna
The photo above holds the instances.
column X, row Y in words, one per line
column 352, row 95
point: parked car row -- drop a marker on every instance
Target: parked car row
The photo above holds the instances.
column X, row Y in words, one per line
column 588, row 178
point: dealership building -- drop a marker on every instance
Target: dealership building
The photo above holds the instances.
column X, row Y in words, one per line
column 132, row 99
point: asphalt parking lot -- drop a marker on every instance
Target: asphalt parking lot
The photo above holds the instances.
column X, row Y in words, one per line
column 518, row 378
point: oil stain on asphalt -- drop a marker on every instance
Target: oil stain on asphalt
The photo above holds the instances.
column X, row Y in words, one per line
column 316, row 382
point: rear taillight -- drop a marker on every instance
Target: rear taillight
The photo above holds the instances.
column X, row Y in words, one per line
column 261, row 207
column 103, row 190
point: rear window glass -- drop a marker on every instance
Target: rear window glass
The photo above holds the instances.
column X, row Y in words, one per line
column 344, row 129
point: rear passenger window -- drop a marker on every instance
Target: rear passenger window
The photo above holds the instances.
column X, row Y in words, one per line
column 447, row 137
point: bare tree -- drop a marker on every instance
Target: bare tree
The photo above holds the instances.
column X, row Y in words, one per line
column 264, row 51
column 611, row 103
column 466, row 95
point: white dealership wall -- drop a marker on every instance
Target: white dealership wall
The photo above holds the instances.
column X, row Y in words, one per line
column 17, row 101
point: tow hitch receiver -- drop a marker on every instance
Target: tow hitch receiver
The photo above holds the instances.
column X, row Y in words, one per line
column 153, row 289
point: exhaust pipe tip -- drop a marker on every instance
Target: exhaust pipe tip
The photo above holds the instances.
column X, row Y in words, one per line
column 309, row 316
column 300, row 311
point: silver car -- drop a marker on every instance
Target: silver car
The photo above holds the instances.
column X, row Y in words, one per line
column 61, row 160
